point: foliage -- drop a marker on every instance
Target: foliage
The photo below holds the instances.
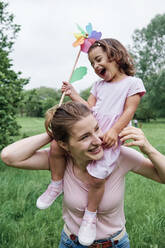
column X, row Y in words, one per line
column 149, row 55
column 85, row 93
column 148, row 48
column 33, row 104
column 37, row 101
column 157, row 93
column 10, row 82
column 144, row 112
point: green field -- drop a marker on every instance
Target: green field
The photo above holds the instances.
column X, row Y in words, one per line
column 22, row 225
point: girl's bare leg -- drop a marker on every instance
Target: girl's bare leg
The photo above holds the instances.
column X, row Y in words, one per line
column 57, row 167
column 95, row 194
column 87, row 232
column 57, row 161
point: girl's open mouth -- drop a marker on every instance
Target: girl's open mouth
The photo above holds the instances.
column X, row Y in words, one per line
column 102, row 72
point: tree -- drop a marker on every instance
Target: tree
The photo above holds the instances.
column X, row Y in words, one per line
column 149, row 55
column 157, row 94
column 144, row 112
column 32, row 103
column 85, row 93
column 49, row 96
column 37, row 101
column 148, row 48
column 11, row 84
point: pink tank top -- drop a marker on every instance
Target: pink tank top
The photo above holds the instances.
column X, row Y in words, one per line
column 111, row 210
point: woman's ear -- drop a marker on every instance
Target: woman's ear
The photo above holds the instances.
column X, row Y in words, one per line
column 63, row 145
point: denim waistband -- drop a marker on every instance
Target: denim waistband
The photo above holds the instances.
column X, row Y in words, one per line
column 116, row 236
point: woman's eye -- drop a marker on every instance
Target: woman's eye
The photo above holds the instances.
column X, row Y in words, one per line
column 84, row 137
column 97, row 129
column 99, row 60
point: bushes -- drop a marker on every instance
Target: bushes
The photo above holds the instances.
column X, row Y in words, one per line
column 11, row 84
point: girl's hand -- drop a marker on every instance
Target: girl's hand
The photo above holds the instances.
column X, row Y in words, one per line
column 110, row 138
column 138, row 138
column 68, row 89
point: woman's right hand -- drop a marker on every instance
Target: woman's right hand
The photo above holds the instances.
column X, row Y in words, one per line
column 138, row 139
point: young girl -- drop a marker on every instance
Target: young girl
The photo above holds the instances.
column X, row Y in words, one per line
column 113, row 101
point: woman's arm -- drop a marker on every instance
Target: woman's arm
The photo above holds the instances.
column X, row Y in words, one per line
column 25, row 153
column 154, row 167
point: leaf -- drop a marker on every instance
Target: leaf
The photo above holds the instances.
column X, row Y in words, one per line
column 78, row 74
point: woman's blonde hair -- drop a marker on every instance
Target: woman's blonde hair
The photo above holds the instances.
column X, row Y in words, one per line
column 60, row 120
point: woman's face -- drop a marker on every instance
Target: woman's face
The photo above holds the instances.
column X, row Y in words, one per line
column 85, row 142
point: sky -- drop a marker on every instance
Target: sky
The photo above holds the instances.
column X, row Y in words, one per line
column 43, row 50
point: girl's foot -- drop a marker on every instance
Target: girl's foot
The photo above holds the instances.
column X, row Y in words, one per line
column 87, row 231
column 49, row 196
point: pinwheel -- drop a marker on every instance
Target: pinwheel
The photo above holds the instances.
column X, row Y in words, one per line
column 85, row 40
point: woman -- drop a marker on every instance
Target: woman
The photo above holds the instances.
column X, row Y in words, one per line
column 77, row 132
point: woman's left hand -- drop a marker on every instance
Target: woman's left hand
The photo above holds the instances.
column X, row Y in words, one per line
column 138, row 138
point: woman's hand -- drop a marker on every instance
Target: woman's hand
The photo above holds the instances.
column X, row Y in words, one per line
column 110, row 139
column 138, row 139
column 154, row 167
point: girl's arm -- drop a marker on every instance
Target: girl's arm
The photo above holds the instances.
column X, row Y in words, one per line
column 154, row 167
column 25, row 153
column 110, row 138
column 130, row 107
column 72, row 93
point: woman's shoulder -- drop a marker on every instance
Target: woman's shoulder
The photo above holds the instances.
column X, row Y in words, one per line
column 130, row 159
column 69, row 163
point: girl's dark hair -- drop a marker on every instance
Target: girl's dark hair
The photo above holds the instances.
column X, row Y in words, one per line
column 60, row 120
column 116, row 52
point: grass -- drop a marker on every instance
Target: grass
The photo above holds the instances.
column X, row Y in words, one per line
column 22, row 225
column 144, row 199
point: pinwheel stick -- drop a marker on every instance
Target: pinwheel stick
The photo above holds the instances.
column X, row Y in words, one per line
column 63, row 95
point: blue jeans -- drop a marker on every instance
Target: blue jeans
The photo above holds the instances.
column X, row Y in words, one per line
column 66, row 242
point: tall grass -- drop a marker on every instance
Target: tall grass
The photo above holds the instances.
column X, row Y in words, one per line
column 22, row 225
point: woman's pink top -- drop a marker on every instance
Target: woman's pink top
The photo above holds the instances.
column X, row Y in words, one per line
column 110, row 100
column 111, row 209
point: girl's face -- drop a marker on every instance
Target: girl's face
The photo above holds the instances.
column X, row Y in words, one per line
column 85, row 142
column 103, row 67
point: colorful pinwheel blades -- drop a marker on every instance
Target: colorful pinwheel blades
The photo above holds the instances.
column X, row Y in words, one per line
column 89, row 28
column 86, row 39
column 81, row 30
column 95, row 35
column 78, row 74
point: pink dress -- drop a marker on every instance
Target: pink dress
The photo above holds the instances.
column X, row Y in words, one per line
column 111, row 97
